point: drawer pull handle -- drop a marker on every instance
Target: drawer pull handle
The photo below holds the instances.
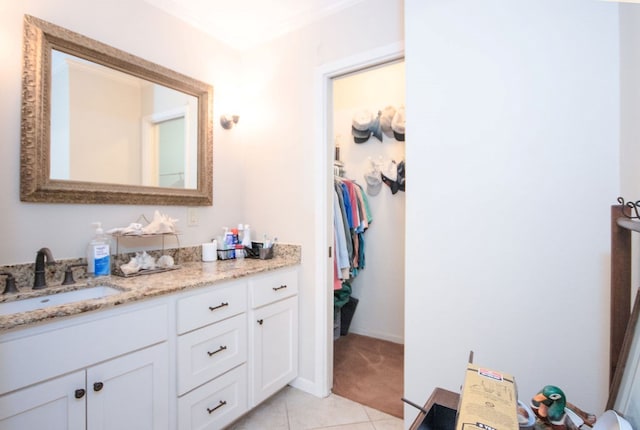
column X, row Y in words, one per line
column 221, row 404
column 279, row 288
column 260, row 321
column 221, row 305
column 222, row 348
column 79, row 393
column 97, row 386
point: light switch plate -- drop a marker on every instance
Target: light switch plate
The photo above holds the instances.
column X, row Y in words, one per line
column 192, row 217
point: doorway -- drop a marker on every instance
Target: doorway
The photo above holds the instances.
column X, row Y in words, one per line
column 369, row 289
column 323, row 156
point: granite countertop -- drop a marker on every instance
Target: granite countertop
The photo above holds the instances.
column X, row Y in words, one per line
column 189, row 276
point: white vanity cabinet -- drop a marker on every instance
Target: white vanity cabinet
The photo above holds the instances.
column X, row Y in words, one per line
column 194, row 360
column 105, row 371
column 49, row 405
column 273, row 333
column 211, row 356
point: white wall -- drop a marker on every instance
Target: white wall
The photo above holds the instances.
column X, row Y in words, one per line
column 279, row 118
column 629, row 101
column 135, row 27
column 104, row 114
column 513, row 111
column 380, row 286
column 630, row 112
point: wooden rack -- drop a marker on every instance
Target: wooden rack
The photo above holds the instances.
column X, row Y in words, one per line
column 621, row 229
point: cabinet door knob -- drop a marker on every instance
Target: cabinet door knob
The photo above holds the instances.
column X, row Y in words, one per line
column 260, row 322
column 97, row 386
column 79, row 393
column 221, row 404
column 222, row 348
column 279, row 288
column 221, row 305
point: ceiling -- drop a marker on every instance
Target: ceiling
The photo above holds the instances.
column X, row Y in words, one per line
column 244, row 24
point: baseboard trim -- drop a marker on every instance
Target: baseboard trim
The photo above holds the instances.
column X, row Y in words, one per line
column 308, row 386
column 382, row 336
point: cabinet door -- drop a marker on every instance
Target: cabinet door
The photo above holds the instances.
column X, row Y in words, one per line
column 130, row 392
column 50, row 405
column 274, row 354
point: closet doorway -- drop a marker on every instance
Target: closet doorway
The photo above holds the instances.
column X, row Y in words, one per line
column 367, row 119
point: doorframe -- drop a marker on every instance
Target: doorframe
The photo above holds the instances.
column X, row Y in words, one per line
column 323, row 156
column 149, row 152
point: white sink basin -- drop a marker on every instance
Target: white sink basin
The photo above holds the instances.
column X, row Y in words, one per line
column 50, row 300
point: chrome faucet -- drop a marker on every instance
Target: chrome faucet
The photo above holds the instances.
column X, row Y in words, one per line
column 39, row 280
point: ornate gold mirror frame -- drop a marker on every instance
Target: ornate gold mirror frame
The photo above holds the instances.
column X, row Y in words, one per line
column 36, row 185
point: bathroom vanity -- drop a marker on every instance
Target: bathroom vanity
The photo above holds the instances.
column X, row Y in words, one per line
column 194, row 348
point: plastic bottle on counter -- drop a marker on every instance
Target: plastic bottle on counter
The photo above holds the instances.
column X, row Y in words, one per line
column 240, row 233
column 246, row 238
column 229, row 246
column 98, row 255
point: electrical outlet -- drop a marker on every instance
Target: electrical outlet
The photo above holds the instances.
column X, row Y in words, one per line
column 192, row 217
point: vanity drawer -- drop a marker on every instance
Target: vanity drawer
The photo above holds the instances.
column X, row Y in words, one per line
column 210, row 351
column 273, row 287
column 211, row 306
column 215, row 404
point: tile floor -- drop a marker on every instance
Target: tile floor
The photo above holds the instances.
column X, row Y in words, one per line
column 292, row 409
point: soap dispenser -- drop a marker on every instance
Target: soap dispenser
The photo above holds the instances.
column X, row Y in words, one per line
column 98, row 255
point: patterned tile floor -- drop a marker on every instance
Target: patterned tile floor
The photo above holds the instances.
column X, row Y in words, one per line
column 292, row 409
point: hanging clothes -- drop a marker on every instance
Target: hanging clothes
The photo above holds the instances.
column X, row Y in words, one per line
column 352, row 217
column 340, row 240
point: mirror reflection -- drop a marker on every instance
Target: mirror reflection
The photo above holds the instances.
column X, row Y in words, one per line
column 102, row 126
column 115, row 128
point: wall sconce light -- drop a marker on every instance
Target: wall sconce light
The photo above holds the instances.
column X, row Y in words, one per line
column 227, row 121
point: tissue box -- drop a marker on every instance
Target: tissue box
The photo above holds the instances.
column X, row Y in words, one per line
column 488, row 401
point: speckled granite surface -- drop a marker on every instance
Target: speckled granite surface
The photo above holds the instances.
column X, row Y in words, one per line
column 191, row 274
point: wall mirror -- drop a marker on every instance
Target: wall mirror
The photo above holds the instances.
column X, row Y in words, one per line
column 100, row 125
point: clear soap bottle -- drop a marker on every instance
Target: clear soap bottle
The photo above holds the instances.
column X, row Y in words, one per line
column 98, row 253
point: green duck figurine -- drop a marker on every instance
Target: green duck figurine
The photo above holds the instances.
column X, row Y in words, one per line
column 549, row 405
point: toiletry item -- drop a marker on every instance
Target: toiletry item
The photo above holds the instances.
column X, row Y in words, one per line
column 229, row 248
column 228, row 237
column 209, row 251
column 98, row 255
column 234, row 232
column 246, row 239
column 240, row 233
column 239, row 253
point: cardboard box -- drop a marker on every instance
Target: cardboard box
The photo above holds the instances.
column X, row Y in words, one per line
column 488, row 402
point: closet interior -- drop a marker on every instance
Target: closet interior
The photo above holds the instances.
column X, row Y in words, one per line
column 369, row 187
